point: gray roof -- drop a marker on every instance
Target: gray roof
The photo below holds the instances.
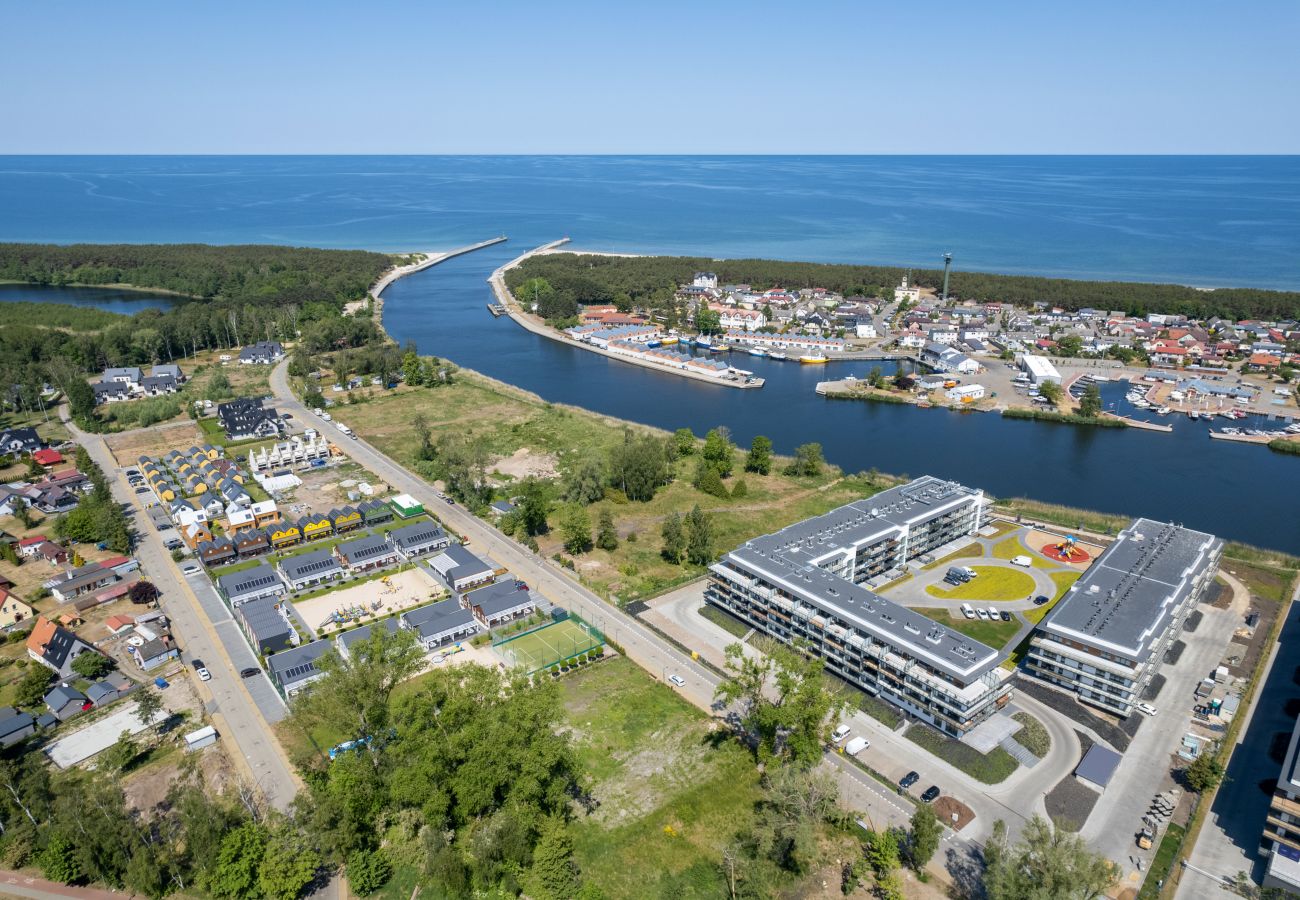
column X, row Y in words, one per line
column 417, row 534
column 12, row 720
column 306, row 565
column 793, row 557
column 100, row 689
column 62, row 695
column 466, row 563
column 438, row 618
column 365, row 548
column 1098, row 765
column 264, row 621
column 298, row 664
column 498, row 597
column 248, row 581
column 1128, row 595
column 348, row 638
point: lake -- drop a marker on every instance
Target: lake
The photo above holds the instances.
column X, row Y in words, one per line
column 115, row 300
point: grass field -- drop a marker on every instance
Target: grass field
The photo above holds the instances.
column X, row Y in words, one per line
column 1012, row 547
column 994, row 634
column 725, row 621
column 671, row 795
column 1063, row 581
column 549, row 644
column 967, row 552
column 992, row 583
column 990, row 768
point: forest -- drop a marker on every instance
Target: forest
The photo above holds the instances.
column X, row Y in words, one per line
column 247, row 273
column 651, row 280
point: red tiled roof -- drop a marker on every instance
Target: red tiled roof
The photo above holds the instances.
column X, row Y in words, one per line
column 48, row 457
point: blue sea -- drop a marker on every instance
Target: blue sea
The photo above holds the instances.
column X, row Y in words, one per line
column 1205, row 221
column 1202, row 221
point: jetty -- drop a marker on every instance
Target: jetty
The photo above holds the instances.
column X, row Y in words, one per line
column 1248, row 438
column 430, row 259
column 537, row 326
column 1138, row 423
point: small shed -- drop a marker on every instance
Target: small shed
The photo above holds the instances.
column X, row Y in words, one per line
column 196, row 740
column 1098, row 766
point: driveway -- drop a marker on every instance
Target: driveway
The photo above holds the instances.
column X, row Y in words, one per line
column 913, row 591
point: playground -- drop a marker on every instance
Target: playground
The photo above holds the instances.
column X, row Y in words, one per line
column 368, row 600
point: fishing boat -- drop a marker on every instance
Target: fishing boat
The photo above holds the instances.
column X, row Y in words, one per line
column 705, row 342
column 814, row 358
column 1163, row 411
column 757, row 351
column 777, row 355
column 669, row 340
column 1193, row 414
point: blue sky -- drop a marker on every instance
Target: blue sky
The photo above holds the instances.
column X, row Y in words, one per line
column 1142, row 76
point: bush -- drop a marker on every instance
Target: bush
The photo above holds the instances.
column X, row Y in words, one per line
column 368, row 871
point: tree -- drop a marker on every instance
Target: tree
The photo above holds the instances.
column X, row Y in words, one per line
column 876, row 377
column 575, row 527
column 684, row 440
column 923, row 839
column 33, row 686
column 808, row 461
column 1069, row 345
column 707, row 479
column 881, row 852
column 1205, row 772
column 58, row 861
column 368, row 871
column 606, row 533
column 143, row 592
column 218, row 388
column 238, row 862
column 1051, row 392
column 699, row 537
column 708, row 321
column 639, row 466
column 796, row 802
column 81, row 400
column 289, row 864
column 759, row 459
column 534, row 506
column 586, row 481
column 1046, row 864
column 92, row 665
column 719, row 450
column 1090, row 402
column 786, row 723
column 412, row 370
column 147, row 705
column 739, row 489
column 674, row 540
column 554, row 874
column 120, row 755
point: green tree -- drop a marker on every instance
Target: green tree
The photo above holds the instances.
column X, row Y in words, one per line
column 412, row 370
column 876, row 378
column 1205, row 772
column 759, row 459
column 808, row 461
column 1045, row 864
column 698, row 526
column 575, row 527
column 238, row 863
column 708, row 321
column 147, row 705
column 81, row 400
column 59, row 860
column 674, row 541
column 796, row 802
column 142, row 592
column 707, row 479
column 881, row 851
column 218, row 388
column 120, row 755
column 1090, row 402
column 289, row 864
column 606, row 533
column 1051, row 392
column 684, row 440
column 739, row 489
column 923, row 838
column 1069, row 345
column 368, row 871
column 719, row 450
column 33, row 686
column 639, row 466
column 534, row 506
column 92, row 665
column 554, row 874
column 586, row 481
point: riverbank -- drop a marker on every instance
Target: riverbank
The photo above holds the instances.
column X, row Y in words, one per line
column 428, row 259
column 539, row 327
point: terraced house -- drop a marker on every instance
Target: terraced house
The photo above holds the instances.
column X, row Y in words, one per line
column 807, row 584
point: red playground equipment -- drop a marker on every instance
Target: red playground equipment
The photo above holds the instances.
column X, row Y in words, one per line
column 1067, row 551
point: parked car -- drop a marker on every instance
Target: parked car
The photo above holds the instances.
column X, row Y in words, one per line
column 142, row 490
column 204, row 674
column 677, row 680
column 968, row 572
column 983, row 614
column 968, row 611
column 909, row 779
column 190, row 569
column 856, row 746
column 1147, row 709
column 931, row 794
column 196, row 663
column 1006, row 616
column 1039, row 600
column 251, row 672
column 839, row 734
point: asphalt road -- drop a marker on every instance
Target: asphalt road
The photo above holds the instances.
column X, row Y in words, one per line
column 227, row 696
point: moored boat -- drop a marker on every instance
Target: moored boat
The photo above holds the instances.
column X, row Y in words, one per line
column 757, row 351
column 813, row 358
column 777, row 355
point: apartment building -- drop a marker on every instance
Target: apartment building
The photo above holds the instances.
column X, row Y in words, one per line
column 807, row 583
column 1107, row 637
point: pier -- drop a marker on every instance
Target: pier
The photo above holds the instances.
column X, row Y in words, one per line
column 1138, row 423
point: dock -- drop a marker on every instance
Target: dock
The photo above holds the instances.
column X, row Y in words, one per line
column 1138, row 423
column 497, row 310
column 1245, row 438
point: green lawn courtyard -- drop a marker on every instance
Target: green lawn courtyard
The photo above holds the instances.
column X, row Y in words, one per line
column 992, row 583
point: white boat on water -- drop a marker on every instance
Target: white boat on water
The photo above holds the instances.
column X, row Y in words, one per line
column 757, row 351
column 1163, row 411
column 777, row 355
column 705, row 342
column 1193, row 414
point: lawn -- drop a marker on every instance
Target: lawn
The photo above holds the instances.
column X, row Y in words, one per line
column 1013, row 547
column 1032, row 735
column 992, row 583
column 1063, row 581
column 671, row 796
column 1266, row 582
column 1162, row 862
column 966, row 552
column 992, row 634
column 725, row 621
column 989, row 768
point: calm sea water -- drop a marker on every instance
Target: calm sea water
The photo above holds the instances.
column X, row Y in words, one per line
column 1203, row 221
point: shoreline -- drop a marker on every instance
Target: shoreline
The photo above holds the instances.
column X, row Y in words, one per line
column 430, row 259
column 530, row 323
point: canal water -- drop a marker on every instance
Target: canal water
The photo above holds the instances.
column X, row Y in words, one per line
column 1239, row 491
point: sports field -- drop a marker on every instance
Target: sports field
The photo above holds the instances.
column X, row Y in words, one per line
column 549, row 644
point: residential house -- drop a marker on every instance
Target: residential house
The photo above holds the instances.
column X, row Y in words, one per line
column 110, row 391
column 216, row 551
column 17, row 441
column 348, row 639
column 252, row 543
column 157, row 385
column 309, row 569
column 286, row 534
column 294, row 669
column 375, row 512
column 345, row 519
column 440, row 623
column 170, row 370
column 316, row 526
column 102, row 693
column 48, row 457
column 81, row 580
column 65, row 701
column 12, row 611
column 266, row 624
column 498, row 603
column 365, row 553
column 156, row 650
column 28, row 546
column 263, row 353
column 128, row 375
column 461, row 569
column 258, row 583
column 51, row 553
column 15, row 726
column 120, row 624
column 245, row 418
column 418, row 539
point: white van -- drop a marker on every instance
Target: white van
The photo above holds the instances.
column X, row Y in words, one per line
column 839, row 734
column 1023, row 561
column 856, row 746
column 968, row 611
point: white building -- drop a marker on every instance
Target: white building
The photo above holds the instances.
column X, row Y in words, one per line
column 706, row 280
column 966, row 393
column 740, row 319
column 904, row 291
column 1039, row 369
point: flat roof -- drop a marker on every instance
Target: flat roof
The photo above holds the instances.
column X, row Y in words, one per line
column 1128, row 595
column 1098, row 765
column 1039, row 365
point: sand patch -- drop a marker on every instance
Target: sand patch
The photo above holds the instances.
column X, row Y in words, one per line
column 526, row 463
